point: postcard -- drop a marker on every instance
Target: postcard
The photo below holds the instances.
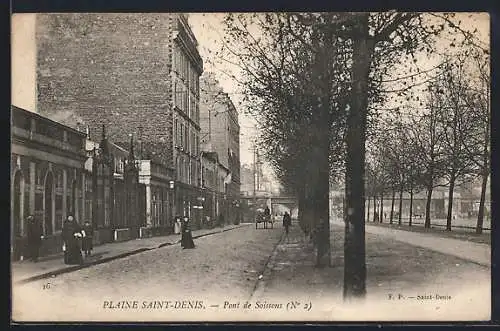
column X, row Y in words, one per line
column 222, row 167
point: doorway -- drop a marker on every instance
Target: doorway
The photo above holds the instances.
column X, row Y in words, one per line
column 17, row 242
column 48, row 200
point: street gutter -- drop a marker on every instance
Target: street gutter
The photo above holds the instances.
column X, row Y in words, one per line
column 266, row 272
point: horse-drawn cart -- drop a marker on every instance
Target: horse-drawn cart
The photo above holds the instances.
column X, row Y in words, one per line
column 266, row 220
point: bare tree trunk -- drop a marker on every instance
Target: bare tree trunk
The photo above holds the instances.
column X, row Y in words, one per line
column 321, row 206
column 374, row 208
column 480, row 214
column 381, row 207
column 392, row 204
column 449, row 216
column 354, row 244
column 308, row 218
column 411, row 205
column 400, row 216
column 427, row 223
column 321, row 147
column 300, row 215
column 368, row 210
column 486, row 156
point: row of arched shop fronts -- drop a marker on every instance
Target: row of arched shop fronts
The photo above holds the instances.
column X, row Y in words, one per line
column 57, row 171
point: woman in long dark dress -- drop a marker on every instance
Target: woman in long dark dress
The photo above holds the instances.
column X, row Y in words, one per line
column 187, row 236
column 72, row 234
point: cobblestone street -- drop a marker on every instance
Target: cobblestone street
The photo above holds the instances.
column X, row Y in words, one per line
column 223, row 266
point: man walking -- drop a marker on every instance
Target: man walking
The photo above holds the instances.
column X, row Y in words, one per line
column 35, row 236
column 287, row 222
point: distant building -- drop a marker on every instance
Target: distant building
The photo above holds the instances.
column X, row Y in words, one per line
column 220, row 132
column 247, row 180
column 135, row 73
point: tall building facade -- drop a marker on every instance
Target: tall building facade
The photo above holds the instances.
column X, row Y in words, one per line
column 137, row 74
column 220, row 131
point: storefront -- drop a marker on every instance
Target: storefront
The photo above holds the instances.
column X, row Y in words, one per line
column 159, row 192
column 47, row 176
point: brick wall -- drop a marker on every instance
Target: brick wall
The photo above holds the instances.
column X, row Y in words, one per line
column 111, row 69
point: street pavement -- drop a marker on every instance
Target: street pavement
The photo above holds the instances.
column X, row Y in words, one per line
column 48, row 266
column 406, row 280
column 223, row 267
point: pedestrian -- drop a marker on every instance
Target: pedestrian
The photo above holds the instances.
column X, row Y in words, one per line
column 287, row 222
column 35, row 236
column 221, row 220
column 87, row 243
column 267, row 212
column 186, row 236
column 72, row 234
column 177, row 225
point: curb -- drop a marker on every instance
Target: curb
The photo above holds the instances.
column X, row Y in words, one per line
column 109, row 258
column 266, row 271
column 78, row 267
column 199, row 236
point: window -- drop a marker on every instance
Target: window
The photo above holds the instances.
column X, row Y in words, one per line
column 191, row 106
column 193, row 143
column 197, row 144
column 185, row 69
column 185, row 97
column 197, row 107
column 178, row 168
column 176, row 102
column 38, row 175
column 177, row 59
column 181, row 141
column 38, row 201
column 59, row 180
column 176, row 130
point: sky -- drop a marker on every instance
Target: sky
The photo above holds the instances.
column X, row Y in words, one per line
column 207, row 28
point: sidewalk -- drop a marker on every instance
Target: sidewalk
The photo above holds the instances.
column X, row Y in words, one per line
column 398, row 273
column 476, row 252
column 50, row 266
column 459, row 234
column 467, row 250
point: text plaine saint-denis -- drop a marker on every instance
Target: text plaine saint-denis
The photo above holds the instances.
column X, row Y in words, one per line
column 154, row 304
column 199, row 304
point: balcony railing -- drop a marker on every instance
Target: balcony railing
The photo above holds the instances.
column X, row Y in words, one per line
column 31, row 126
